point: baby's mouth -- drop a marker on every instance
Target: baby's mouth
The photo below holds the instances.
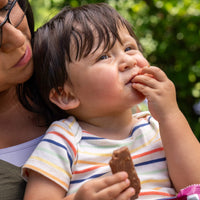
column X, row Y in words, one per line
column 130, row 80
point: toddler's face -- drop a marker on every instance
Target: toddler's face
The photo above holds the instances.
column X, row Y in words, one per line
column 102, row 80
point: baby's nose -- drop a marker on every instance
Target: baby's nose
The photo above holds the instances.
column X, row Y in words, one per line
column 127, row 62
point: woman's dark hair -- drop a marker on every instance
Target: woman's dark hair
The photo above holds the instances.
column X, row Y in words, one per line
column 52, row 50
column 25, row 5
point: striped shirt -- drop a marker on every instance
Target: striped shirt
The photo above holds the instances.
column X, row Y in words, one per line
column 70, row 156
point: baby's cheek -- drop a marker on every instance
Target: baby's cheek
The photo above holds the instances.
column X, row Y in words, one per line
column 141, row 61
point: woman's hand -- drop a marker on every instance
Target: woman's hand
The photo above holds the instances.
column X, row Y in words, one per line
column 114, row 187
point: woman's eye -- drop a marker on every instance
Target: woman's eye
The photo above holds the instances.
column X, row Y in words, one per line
column 103, row 57
column 7, row 6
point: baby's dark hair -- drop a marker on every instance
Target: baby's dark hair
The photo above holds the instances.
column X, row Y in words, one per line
column 85, row 27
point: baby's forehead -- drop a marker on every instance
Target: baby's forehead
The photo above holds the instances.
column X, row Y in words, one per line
column 90, row 35
column 87, row 38
column 100, row 32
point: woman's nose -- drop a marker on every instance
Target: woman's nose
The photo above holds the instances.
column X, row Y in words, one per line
column 11, row 38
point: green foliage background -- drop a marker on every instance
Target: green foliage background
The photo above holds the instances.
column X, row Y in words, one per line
column 169, row 33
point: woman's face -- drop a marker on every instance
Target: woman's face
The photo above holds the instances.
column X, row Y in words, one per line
column 15, row 51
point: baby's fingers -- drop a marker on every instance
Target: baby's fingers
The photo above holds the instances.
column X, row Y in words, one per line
column 154, row 72
column 114, row 191
column 102, row 183
column 145, row 79
column 127, row 194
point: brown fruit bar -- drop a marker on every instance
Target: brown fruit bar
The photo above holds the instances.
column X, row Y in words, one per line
column 121, row 161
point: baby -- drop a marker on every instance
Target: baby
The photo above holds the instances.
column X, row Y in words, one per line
column 90, row 72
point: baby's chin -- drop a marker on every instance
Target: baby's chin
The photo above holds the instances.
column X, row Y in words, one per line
column 138, row 95
column 136, row 98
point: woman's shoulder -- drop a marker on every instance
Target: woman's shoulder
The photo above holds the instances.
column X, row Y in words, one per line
column 12, row 185
column 18, row 154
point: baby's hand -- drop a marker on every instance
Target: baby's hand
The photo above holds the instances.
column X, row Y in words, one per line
column 153, row 83
column 114, row 187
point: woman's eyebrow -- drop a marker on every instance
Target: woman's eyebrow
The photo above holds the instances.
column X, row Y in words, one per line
column 6, row 7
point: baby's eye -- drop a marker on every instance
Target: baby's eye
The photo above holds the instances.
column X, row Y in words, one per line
column 103, row 57
column 128, row 49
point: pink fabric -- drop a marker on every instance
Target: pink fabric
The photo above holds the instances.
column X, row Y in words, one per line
column 191, row 192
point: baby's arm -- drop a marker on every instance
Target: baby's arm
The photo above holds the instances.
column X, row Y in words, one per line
column 110, row 187
column 40, row 187
column 182, row 149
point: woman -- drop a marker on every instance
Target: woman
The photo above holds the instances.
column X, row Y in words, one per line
column 19, row 130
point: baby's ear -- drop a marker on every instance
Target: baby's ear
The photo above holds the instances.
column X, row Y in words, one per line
column 65, row 99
